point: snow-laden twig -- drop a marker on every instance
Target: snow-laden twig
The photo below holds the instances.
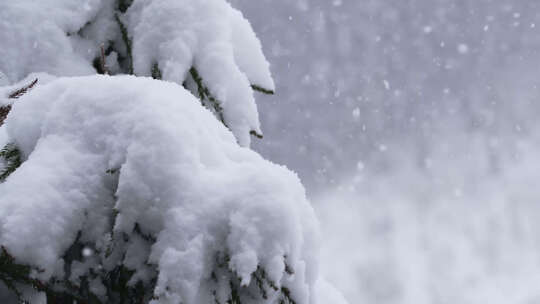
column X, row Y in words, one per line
column 140, row 175
column 20, row 92
column 4, row 110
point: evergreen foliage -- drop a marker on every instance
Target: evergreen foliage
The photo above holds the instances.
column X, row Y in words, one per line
column 106, row 270
column 4, row 111
column 128, row 44
column 206, row 97
column 11, row 156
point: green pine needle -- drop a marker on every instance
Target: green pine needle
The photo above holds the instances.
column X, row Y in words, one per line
column 262, row 90
column 12, row 158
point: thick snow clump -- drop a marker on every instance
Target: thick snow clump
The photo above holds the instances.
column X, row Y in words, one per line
column 40, row 36
column 213, row 37
column 113, row 156
column 66, row 38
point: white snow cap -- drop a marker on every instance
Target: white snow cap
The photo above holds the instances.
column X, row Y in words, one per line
column 64, row 37
column 148, row 150
column 211, row 36
column 34, row 37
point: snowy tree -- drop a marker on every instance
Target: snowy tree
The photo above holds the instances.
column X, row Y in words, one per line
column 121, row 188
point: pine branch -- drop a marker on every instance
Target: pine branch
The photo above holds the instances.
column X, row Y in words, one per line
column 13, row 274
column 64, row 290
column 123, row 5
column 205, row 95
column 127, row 42
column 215, row 105
column 261, row 89
column 12, row 158
column 235, row 296
column 254, row 133
column 156, row 72
column 4, row 110
column 20, row 92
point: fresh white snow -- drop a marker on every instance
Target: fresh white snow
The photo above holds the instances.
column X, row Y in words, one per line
column 63, row 37
column 136, row 169
column 148, row 150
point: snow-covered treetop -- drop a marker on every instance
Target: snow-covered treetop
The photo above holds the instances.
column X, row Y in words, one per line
column 207, row 45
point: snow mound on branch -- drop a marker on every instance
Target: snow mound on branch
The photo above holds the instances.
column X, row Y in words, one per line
column 6, row 90
column 64, row 37
column 34, row 37
column 213, row 37
column 170, row 170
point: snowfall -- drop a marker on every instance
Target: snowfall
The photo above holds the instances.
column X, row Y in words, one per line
column 399, row 161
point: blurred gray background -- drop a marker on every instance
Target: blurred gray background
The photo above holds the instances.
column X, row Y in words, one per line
column 414, row 127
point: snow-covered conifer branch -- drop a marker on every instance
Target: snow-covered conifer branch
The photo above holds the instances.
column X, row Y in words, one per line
column 262, row 90
column 131, row 191
column 150, row 224
column 5, row 109
column 20, row 92
column 11, row 156
column 207, row 99
column 127, row 43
